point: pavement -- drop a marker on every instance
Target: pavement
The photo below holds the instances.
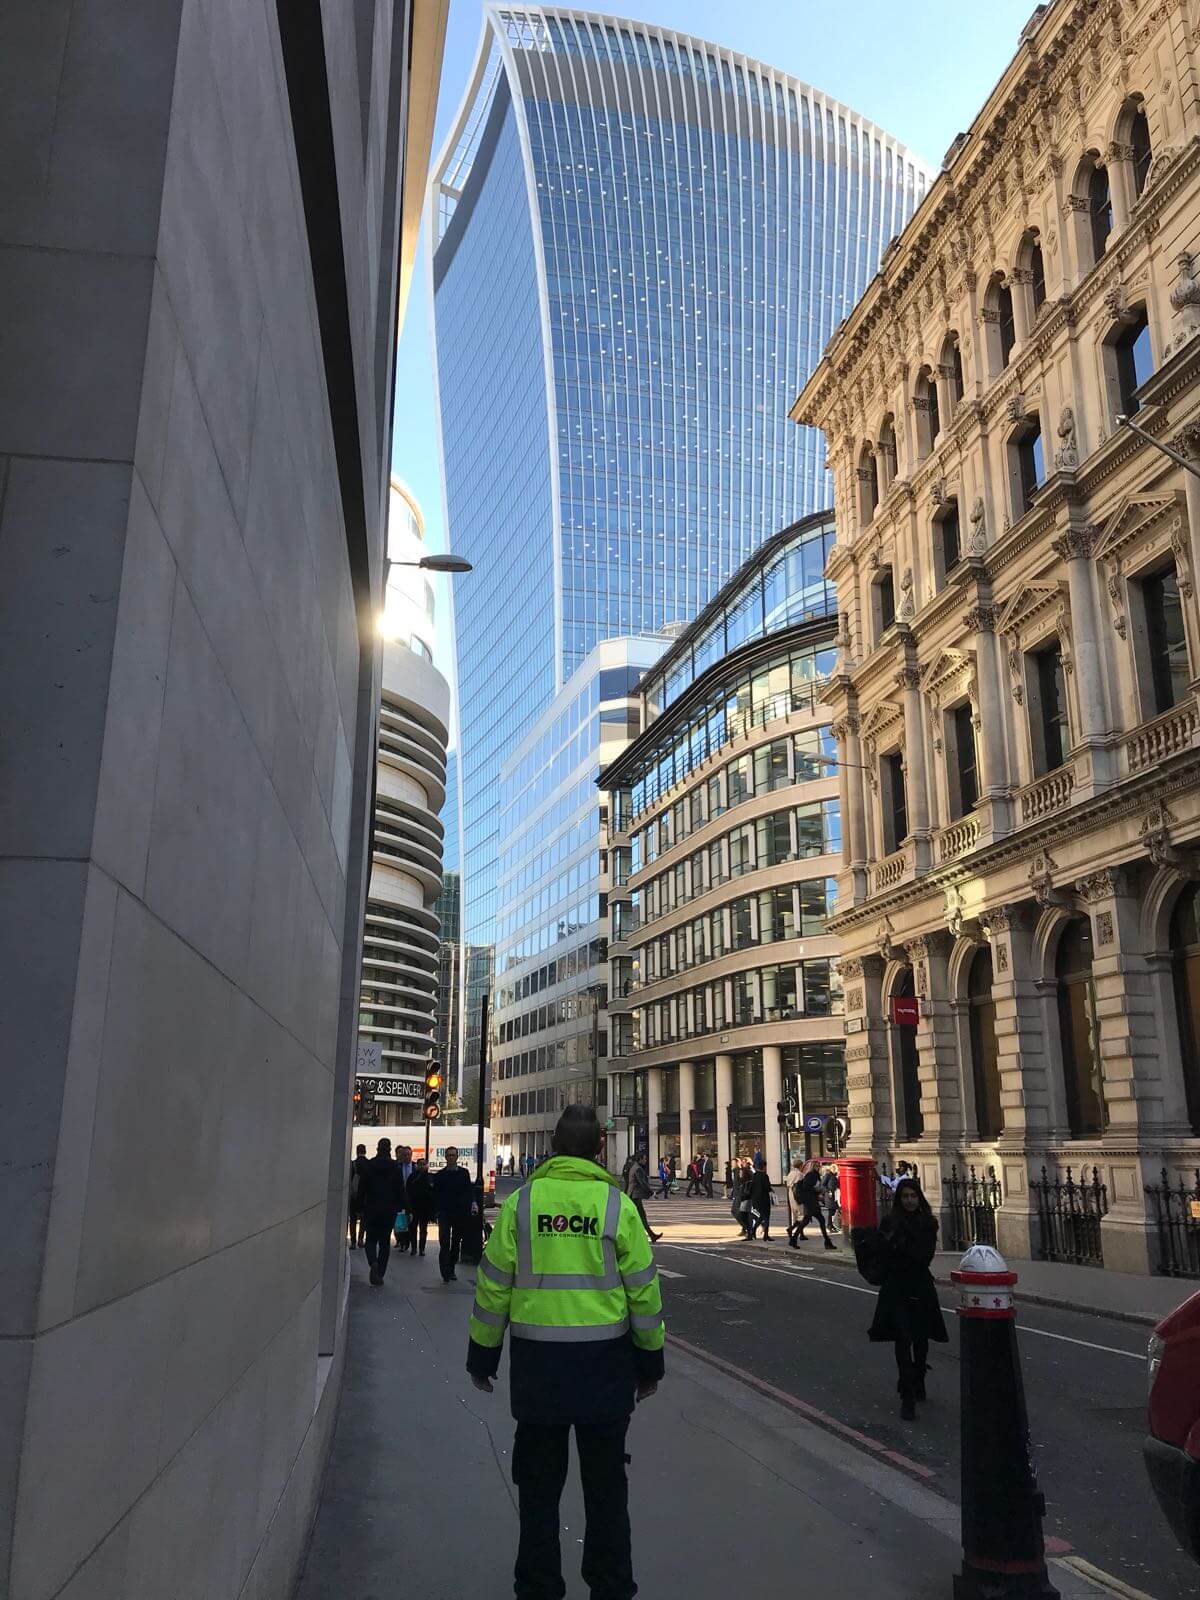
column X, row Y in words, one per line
column 1122, row 1296
column 735, row 1478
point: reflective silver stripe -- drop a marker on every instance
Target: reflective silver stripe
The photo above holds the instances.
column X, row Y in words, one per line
column 635, row 1280
column 570, row 1335
column 527, row 1278
column 654, row 1321
column 494, row 1319
column 490, row 1270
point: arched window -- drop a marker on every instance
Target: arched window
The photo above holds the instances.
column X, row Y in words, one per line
column 1008, row 323
column 1100, row 210
column 928, row 413
column 1139, row 143
column 985, row 1069
column 1132, row 360
column 1037, row 276
column 952, row 368
column 885, row 453
column 1079, row 1030
column 1185, row 966
column 904, row 1061
column 868, row 485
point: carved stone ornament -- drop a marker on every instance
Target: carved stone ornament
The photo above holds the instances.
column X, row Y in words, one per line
column 908, row 678
column 1014, row 407
column 851, row 967
column 883, row 939
column 1155, row 837
column 1041, row 880
column 907, row 609
column 854, row 999
column 1066, row 457
column 1185, row 305
column 977, row 537
column 1104, row 928
column 1102, row 885
column 1187, row 440
column 938, row 490
column 954, row 912
column 1016, row 683
column 1076, row 544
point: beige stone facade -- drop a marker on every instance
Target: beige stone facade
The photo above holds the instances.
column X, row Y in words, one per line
column 1015, row 700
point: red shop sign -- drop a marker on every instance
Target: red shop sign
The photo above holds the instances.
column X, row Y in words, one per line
column 905, row 1010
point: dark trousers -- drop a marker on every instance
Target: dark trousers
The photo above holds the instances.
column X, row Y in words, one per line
column 450, row 1235
column 708, row 1188
column 911, row 1356
column 418, row 1232
column 357, row 1229
column 539, row 1471
column 752, row 1227
column 640, row 1207
column 379, row 1243
column 810, row 1215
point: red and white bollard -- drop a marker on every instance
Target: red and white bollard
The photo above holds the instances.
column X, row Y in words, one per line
column 1004, row 1554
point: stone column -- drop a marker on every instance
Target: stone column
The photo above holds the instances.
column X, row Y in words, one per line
column 723, row 1083
column 937, row 1044
column 772, row 1081
column 1187, row 440
column 653, row 1107
column 994, row 776
column 914, row 753
column 1132, row 1063
column 868, row 1067
column 854, row 820
column 1026, row 1098
column 1084, row 655
column 687, row 1099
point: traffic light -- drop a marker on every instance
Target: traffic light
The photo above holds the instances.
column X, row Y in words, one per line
column 433, row 1094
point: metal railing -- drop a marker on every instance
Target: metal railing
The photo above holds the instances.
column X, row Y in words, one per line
column 1069, row 1216
column 973, row 1202
column 1176, row 1213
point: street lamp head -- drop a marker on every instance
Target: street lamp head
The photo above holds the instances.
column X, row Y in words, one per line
column 446, row 563
column 1122, row 419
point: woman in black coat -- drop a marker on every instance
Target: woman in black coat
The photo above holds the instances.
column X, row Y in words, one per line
column 907, row 1313
column 758, row 1192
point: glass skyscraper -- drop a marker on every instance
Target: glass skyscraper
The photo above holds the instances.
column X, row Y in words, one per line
column 642, row 243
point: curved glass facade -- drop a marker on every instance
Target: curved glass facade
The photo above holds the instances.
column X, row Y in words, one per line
column 693, row 226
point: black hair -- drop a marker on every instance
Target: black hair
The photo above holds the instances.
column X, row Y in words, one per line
column 923, row 1206
column 577, row 1133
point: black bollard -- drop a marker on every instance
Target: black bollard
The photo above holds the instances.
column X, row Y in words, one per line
column 1004, row 1554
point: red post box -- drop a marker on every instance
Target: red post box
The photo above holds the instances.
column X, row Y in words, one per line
column 859, row 1197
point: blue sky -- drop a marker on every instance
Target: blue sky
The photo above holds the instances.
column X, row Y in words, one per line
column 921, row 71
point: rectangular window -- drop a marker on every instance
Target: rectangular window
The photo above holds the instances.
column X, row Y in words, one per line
column 895, row 801
column 815, row 754
column 771, row 766
column 778, row 993
column 715, row 803
column 946, row 542
column 963, row 764
column 774, row 839
column 739, row 776
column 716, row 929
column 741, row 850
column 740, row 924
column 817, row 897
column 1048, row 724
column 885, row 601
column 745, row 999
column 1026, row 466
column 1166, row 644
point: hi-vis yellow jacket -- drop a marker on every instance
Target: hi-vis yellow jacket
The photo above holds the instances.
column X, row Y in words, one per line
column 568, row 1262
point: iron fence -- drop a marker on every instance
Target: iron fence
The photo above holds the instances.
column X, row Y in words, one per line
column 1069, row 1216
column 973, row 1202
column 1177, row 1218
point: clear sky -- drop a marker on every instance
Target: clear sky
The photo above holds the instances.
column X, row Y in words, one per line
column 921, row 70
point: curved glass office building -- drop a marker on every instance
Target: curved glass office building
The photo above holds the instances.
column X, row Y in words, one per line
column 642, row 243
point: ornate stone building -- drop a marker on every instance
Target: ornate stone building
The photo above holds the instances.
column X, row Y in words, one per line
column 1015, row 701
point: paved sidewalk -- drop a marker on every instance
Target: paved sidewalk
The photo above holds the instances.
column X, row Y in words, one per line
column 418, row 1497
column 1127, row 1296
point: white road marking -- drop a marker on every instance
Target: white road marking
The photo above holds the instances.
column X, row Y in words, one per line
column 858, row 1288
column 665, row 1272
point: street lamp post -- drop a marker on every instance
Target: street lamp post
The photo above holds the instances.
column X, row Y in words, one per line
column 1166, row 449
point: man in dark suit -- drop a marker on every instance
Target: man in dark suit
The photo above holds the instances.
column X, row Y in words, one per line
column 381, row 1199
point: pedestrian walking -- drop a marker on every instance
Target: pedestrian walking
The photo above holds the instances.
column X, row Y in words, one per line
column 693, row 1178
column 807, row 1193
column 830, row 1188
column 419, row 1194
column 381, row 1199
column 907, row 1313
column 404, row 1171
column 358, row 1172
column 637, row 1187
column 664, row 1178
column 454, row 1205
column 706, row 1173
column 758, row 1192
column 580, row 1357
column 729, row 1180
column 739, row 1203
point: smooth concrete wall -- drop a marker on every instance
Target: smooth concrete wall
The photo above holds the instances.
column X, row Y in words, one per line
column 183, row 786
